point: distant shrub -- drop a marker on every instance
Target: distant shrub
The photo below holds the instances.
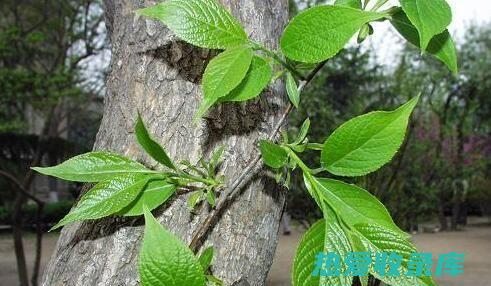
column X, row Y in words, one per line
column 52, row 213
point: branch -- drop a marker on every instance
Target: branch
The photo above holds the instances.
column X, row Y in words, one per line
column 249, row 172
column 20, row 186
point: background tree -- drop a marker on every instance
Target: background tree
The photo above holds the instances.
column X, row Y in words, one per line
column 44, row 48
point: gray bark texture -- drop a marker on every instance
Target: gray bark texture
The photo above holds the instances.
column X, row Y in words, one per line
column 154, row 72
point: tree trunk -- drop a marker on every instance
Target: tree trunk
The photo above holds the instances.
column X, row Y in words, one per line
column 461, row 184
column 459, row 188
column 155, row 73
column 441, row 211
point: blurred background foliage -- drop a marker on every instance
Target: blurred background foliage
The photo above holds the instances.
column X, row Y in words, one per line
column 53, row 57
column 50, row 97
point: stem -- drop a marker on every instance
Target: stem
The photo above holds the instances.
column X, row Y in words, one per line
column 190, row 177
column 299, row 161
column 389, row 12
column 249, row 172
column 379, row 4
column 315, row 146
column 308, row 172
column 277, row 58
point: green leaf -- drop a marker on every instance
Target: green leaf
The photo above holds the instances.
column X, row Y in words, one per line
column 321, row 32
column 365, row 143
column 203, row 23
column 165, row 259
column 441, row 45
column 377, row 239
column 206, row 257
column 353, row 203
column 365, row 31
column 255, row 81
column 273, row 155
column 217, row 155
column 215, row 160
column 106, row 198
column 349, row 3
column 224, row 72
column 304, row 129
column 210, row 197
column 194, row 199
column 150, row 146
column 94, row 167
column 155, row 193
column 429, row 17
column 324, row 236
column 292, row 90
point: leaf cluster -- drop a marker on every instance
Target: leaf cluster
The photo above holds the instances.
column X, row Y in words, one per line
column 354, row 220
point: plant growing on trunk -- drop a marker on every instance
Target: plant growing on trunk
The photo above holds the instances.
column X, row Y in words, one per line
column 353, row 220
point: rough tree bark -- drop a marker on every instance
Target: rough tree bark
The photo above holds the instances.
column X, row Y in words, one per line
column 154, row 72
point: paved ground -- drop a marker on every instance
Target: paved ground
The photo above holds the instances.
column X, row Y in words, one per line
column 475, row 242
column 8, row 266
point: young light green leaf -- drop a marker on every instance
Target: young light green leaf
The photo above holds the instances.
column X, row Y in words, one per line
column 151, row 146
column 365, row 143
column 365, row 31
column 194, row 199
column 349, row 3
column 321, row 32
column 155, row 193
column 441, row 45
column 292, row 90
column 106, row 198
column 363, row 280
column 210, row 197
column 377, row 239
column 206, row 257
column 304, row 129
column 224, row 73
column 354, row 203
column 215, row 159
column 94, row 167
column 217, row 155
column 193, row 168
column 255, row 81
column 323, row 236
column 273, row 155
column 203, row 23
column 429, row 17
column 165, row 259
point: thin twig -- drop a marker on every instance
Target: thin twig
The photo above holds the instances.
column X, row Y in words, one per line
column 276, row 57
column 20, row 186
column 249, row 172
